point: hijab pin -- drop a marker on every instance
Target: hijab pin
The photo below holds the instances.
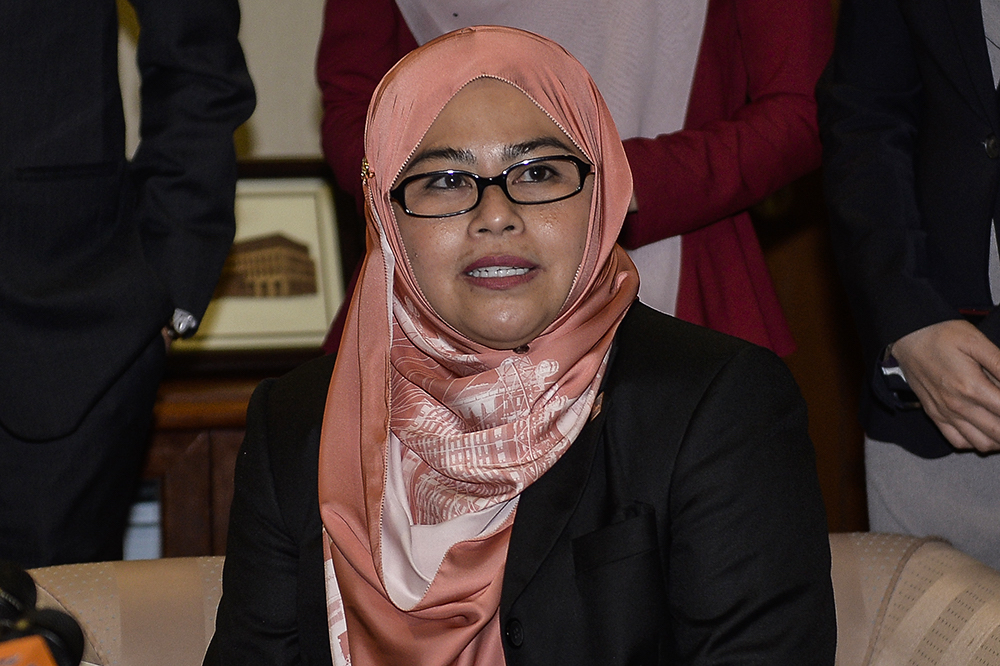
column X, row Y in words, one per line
column 523, row 349
column 366, row 171
column 598, row 404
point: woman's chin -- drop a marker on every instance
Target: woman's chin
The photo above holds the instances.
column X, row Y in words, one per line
column 504, row 338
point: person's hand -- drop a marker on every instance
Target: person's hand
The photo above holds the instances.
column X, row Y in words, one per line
column 953, row 369
column 167, row 340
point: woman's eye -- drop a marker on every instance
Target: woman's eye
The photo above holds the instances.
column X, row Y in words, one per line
column 537, row 173
column 446, row 181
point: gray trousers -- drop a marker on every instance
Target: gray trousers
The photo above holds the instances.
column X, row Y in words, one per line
column 956, row 497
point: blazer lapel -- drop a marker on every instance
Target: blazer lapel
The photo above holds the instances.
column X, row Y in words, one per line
column 544, row 510
column 967, row 30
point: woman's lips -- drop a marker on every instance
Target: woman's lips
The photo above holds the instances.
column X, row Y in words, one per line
column 500, row 272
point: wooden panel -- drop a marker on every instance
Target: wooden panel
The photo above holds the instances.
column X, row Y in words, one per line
column 827, row 364
column 181, row 461
column 198, row 428
column 225, row 448
column 203, row 403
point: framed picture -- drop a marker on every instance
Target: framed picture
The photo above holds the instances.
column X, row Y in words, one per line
column 282, row 282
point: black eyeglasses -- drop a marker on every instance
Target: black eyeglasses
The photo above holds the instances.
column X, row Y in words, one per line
column 538, row 180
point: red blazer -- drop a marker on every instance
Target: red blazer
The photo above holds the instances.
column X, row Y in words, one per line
column 750, row 130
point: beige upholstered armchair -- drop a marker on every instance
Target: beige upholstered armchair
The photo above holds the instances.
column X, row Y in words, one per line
column 900, row 600
column 140, row 613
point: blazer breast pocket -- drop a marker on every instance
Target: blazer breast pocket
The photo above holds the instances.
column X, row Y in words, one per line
column 634, row 535
column 620, row 579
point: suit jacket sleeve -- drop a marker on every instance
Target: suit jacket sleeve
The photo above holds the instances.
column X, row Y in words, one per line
column 360, row 43
column 869, row 115
column 749, row 560
column 195, row 92
column 257, row 621
column 273, row 607
column 751, row 123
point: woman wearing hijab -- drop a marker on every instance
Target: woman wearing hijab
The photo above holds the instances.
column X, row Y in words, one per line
column 511, row 460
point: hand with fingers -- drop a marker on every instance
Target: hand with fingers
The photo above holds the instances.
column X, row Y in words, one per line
column 953, row 369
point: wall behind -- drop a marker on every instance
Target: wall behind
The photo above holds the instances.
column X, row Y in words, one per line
column 280, row 41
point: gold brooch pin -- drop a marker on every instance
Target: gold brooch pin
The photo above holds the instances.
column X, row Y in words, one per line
column 598, row 404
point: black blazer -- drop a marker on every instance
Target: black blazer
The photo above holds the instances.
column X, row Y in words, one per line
column 684, row 525
column 96, row 252
column 909, row 121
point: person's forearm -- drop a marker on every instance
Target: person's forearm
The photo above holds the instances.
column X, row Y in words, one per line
column 952, row 368
column 724, row 162
column 361, row 41
column 196, row 91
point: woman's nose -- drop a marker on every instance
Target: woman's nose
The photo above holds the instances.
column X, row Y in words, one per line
column 496, row 214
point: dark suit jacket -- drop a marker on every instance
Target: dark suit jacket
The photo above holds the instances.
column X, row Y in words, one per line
column 684, row 525
column 96, row 252
column 909, row 122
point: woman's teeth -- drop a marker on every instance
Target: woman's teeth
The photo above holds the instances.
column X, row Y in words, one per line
column 497, row 272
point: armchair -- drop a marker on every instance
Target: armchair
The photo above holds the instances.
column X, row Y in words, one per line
column 900, row 600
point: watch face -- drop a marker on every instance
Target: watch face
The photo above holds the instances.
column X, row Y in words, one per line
column 183, row 322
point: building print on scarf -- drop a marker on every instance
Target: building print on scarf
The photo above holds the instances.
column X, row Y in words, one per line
column 340, row 649
column 465, row 473
column 486, row 436
column 472, row 435
column 519, row 384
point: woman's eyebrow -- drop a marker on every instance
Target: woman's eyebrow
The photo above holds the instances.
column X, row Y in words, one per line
column 517, row 150
column 510, row 152
column 452, row 154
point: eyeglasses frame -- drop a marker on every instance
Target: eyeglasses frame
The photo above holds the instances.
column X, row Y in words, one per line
column 482, row 182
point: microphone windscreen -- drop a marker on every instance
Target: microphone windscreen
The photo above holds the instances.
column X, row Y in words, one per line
column 17, row 591
column 61, row 632
column 30, row 650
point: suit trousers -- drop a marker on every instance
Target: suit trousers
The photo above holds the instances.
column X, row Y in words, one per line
column 67, row 500
column 956, row 497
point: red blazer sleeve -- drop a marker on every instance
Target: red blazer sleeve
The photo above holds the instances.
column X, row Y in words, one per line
column 361, row 41
column 751, row 121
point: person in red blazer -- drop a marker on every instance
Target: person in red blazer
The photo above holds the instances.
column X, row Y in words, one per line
column 750, row 129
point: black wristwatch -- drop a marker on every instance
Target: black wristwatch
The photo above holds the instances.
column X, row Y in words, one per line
column 896, row 382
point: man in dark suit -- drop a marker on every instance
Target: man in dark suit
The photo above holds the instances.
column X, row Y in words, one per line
column 909, row 118
column 100, row 257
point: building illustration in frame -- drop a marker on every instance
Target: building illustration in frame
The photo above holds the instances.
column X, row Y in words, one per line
column 282, row 281
column 268, row 266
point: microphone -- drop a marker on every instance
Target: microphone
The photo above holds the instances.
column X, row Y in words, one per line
column 42, row 637
column 17, row 591
column 30, row 636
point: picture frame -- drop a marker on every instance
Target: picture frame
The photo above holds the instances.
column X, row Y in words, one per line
column 283, row 279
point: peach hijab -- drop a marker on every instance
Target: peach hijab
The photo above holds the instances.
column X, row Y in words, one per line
column 458, row 428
